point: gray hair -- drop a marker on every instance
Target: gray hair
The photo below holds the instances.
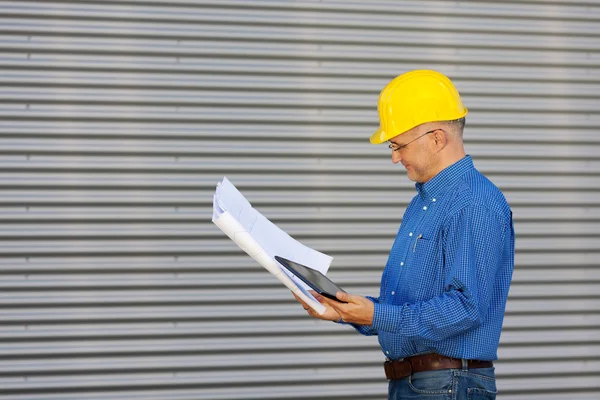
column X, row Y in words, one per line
column 457, row 125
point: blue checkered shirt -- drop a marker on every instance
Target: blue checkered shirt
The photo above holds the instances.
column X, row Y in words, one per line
column 446, row 281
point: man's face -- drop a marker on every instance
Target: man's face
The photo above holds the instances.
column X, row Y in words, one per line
column 414, row 153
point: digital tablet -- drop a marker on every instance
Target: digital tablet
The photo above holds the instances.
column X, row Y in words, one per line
column 313, row 278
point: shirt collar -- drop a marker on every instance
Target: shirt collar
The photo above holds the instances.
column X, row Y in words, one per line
column 445, row 179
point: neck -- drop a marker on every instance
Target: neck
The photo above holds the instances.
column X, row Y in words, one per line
column 450, row 159
column 447, row 160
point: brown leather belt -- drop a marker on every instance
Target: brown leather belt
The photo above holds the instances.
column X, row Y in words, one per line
column 399, row 369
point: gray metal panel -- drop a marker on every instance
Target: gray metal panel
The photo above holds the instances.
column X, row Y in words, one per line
column 118, row 118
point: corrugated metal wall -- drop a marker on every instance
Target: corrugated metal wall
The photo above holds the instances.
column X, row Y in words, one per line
column 117, row 119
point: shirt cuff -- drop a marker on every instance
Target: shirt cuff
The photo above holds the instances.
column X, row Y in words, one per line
column 388, row 317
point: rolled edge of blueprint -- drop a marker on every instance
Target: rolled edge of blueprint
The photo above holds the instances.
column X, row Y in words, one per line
column 236, row 232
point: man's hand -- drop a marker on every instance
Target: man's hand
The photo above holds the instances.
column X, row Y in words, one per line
column 356, row 309
column 329, row 315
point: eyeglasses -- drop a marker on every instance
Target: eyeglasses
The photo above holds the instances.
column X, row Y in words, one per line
column 404, row 145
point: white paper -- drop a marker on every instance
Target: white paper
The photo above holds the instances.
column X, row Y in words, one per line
column 262, row 240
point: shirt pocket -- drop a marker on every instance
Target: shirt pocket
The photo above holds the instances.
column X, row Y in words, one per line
column 424, row 250
column 424, row 275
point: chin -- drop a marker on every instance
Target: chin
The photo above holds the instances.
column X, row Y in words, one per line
column 411, row 177
column 415, row 177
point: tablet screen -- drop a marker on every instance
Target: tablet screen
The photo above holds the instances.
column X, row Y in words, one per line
column 311, row 277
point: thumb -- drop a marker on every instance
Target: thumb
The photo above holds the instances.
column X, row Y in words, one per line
column 343, row 296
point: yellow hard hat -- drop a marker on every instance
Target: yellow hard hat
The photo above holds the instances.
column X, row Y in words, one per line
column 414, row 98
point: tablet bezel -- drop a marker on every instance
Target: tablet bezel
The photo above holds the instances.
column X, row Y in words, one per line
column 288, row 264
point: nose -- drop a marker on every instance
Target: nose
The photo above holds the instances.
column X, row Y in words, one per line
column 396, row 157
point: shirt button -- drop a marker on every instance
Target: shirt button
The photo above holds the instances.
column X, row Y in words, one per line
column 401, row 263
column 425, row 208
column 393, row 293
column 433, row 200
column 410, row 234
column 387, row 352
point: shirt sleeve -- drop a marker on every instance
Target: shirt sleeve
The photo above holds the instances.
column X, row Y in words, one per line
column 367, row 330
column 473, row 242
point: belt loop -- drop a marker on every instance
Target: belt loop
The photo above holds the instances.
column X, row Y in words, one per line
column 465, row 364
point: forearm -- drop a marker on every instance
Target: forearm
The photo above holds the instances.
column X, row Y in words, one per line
column 452, row 313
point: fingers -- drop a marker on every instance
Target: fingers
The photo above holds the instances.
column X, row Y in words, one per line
column 332, row 303
column 350, row 308
column 343, row 296
column 317, row 296
column 329, row 314
column 304, row 305
column 308, row 309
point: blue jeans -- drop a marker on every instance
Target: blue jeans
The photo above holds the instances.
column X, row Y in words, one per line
column 446, row 384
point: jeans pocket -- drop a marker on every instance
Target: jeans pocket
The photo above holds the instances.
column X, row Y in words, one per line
column 484, row 375
column 431, row 382
column 480, row 394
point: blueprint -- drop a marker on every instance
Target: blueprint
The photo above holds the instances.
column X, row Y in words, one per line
column 262, row 240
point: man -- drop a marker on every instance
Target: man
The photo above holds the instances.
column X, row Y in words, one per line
column 443, row 291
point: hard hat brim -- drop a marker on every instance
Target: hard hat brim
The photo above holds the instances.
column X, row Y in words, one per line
column 378, row 137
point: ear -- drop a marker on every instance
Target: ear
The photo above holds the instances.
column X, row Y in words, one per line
column 440, row 138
